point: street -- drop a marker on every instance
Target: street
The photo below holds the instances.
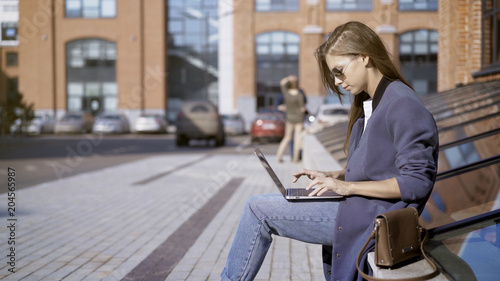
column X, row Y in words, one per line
column 135, row 207
column 39, row 159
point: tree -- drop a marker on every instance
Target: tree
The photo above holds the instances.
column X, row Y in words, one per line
column 15, row 108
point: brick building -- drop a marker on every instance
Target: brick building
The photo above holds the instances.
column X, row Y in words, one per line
column 111, row 55
column 301, row 26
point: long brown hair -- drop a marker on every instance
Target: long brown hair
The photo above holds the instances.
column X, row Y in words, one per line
column 355, row 38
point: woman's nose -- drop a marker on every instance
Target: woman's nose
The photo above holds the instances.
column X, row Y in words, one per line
column 338, row 81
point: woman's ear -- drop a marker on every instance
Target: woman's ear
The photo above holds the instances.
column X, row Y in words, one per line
column 365, row 60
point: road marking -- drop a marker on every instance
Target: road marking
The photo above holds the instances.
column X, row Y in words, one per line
column 160, row 175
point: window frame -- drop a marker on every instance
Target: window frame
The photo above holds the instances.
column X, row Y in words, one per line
column 432, row 5
column 6, row 25
column 344, row 8
column 283, row 49
column 280, row 10
column 424, row 82
column 93, row 77
column 493, row 65
column 11, row 59
column 81, row 10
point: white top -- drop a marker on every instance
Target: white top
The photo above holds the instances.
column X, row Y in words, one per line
column 367, row 107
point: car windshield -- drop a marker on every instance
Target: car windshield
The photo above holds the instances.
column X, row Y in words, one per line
column 111, row 117
column 199, row 109
column 72, row 117
column 150, row 116
column 231, row 117
column 335, row 112
column 269, row 117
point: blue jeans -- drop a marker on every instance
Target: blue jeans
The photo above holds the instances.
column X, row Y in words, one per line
column 264, row 215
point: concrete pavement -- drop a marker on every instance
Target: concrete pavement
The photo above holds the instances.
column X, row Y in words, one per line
column 132, row 221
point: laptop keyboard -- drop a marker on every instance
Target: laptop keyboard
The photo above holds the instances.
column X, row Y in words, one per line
column 297, row 192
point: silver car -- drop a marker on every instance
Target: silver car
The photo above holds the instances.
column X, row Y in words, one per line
column 151, row 123
column 41, row 124
column 75, row 122
column 199, row 120
column 233, row 124
column 111, row 123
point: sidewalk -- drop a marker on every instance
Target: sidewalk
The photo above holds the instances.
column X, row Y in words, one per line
column 106, row 225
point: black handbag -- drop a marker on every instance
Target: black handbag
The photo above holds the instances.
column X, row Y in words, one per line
column 398, row 238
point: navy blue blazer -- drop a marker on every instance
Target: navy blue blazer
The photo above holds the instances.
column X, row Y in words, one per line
column 400, row 141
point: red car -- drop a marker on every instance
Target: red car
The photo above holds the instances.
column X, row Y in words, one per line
column 268, row 126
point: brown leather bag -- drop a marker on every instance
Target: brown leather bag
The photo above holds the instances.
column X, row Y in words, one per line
column 397, row 237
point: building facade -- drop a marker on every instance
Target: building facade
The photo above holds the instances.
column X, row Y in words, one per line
column 9, row 62
column 276, row 39
column 149, row 55
column 469, row 42
column 95, row 56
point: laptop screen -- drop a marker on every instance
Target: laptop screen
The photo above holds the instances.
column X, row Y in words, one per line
column 270, row 171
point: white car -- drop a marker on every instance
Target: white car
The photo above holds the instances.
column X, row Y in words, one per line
column 331, row 114
column 233, row 124
column 75, row 122
column 111, row 123
column 151, row 123
column 41, row 124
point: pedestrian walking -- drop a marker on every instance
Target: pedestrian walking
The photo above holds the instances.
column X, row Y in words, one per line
column 294, row 108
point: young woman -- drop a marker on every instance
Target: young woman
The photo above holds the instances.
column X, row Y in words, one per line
column 392, row 147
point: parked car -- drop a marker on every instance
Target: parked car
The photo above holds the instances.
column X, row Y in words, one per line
column 331, row 114
column 233, row 124
column 111, row 123
column 199, row 120
column 41, row 124
column 74, row 122
column 151, row 123
column 268, row 126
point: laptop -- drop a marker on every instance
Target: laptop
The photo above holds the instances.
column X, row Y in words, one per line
column 292, row 194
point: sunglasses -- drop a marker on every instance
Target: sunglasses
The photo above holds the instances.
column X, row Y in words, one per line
column 339, row 72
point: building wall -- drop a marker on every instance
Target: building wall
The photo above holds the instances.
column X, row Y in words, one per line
column 459, row 42
column 312, row 23
column 139, row 34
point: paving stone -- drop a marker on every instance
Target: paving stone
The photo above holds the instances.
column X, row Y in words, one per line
column 101, row 225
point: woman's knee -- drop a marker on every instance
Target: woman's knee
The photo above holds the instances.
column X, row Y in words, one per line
column 258, row 204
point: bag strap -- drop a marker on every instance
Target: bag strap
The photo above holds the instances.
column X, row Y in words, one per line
column 434, row 273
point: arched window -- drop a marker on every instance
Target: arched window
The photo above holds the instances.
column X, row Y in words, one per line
column 418, row 55
column 277, row 55
column 91, row 76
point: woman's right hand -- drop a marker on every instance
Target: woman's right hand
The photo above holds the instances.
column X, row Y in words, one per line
column 339, row 175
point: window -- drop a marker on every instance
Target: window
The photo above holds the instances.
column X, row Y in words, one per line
column 276, row 5
column 418, row 56
column 90, row 8
column 491, row 34
column 9, row 31
column 418, row 5
column 11, row 59
column 12, row 88
column 277, row 57
column 193, row 42
column 10, row 8
column 349, row 5
column 91, row 76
